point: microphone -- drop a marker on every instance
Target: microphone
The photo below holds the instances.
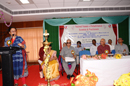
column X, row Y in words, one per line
column 12, row 34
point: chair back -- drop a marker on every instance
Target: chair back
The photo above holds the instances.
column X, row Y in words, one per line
column 97, row 52
column 113, row 52
column 84, row 52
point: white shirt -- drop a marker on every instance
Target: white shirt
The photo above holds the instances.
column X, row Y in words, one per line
column 112, row 47
column 93, row 49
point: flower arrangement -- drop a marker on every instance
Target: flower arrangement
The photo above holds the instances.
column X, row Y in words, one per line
column 117, row 56
column 96, row 57
column 124, row 80
column 90, row 79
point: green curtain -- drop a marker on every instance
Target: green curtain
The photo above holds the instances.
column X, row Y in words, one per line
column 123, row 30
column 51, row 25
column 53, row 37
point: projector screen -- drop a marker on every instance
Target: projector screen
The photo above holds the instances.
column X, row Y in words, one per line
column 86, row 33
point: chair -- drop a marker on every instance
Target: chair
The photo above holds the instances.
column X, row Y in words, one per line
column 113, row 52
column 84, row 52
column 97, row 52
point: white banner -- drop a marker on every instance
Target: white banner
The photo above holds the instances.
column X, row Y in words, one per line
column 85, row 34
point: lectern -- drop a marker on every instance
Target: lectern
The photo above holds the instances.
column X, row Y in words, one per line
column 7, row 65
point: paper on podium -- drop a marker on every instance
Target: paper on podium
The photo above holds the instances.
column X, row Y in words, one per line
column 69, row 59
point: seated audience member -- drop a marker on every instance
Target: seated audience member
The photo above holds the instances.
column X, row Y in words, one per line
column 103, row 48
column 78, row 48
column 67, row 52
column 93, row 48
column 41, row 54
column 64, row 44
column 112, row 47
column 53, row 65
column 121, row 48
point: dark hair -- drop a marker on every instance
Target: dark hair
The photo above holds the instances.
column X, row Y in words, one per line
column 109, row 39
column 11, row 28
column 94, row 40
column 78, row 42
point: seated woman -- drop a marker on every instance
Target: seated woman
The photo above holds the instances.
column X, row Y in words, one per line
column 53, row 64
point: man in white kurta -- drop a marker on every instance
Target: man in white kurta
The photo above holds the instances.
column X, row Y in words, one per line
column 112, row 47
column 93, row 48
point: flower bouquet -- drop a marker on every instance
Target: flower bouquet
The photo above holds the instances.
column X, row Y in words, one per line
column 118, row 56
column 90, row 79
column 124, row 80
column 100, row 56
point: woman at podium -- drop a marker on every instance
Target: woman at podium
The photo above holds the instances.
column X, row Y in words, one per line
column 19, row 58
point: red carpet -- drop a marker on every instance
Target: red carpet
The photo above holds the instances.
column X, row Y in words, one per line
column 34, row 79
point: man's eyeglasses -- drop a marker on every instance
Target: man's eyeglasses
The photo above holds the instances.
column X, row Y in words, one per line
column 68, row 42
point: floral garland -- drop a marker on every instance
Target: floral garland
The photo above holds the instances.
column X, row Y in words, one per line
column 2, row 17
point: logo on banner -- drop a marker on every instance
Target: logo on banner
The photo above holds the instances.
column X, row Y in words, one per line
column 65, row 27
column 109, row 25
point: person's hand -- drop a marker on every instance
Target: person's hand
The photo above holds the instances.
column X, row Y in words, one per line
column 21, row 45
column 124, row 50
column 63, row 58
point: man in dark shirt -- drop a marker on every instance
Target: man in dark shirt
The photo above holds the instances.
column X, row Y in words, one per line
column 103, row 48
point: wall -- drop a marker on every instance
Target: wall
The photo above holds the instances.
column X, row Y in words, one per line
column 4, row 33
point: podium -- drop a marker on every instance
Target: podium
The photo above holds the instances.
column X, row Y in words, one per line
column 7, row 65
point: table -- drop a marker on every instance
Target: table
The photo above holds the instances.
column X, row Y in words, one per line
column 107, row 70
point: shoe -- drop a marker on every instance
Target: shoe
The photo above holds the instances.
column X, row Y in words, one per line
column 72, row 76
column 16, row 84
column 25, row 85
column 68, row 76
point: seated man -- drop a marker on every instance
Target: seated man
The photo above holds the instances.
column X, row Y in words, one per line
column 53, row 65
column 67, row 52
column 93, row 48
column 78, row 48
column 112, row 47
column 121, row 48
column 103, row 48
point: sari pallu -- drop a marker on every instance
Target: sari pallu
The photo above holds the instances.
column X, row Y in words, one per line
column 19, row 58
column 54, row 67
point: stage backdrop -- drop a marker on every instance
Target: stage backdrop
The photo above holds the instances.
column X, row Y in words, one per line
column 52, row 26
column 86, row 33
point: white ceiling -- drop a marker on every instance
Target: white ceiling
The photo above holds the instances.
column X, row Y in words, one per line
column 49, row 4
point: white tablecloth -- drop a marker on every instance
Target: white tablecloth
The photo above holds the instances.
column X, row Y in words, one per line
column 107, row 70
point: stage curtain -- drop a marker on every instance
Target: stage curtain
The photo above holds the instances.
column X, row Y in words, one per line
column 33, row 38
column 114, row 19
column 55, row 22
column 87, row 20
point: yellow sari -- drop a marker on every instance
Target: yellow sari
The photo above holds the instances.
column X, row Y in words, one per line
column 54, row 66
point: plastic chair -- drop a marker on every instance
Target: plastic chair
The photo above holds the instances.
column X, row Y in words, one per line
column 97, row 52
column 113, row 52
column 84, row 52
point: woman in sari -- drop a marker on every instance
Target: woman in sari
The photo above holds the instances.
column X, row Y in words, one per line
column 19, row 58
column 53, row 64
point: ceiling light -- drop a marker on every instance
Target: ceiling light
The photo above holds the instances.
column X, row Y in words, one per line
column 22, row 2
column 85, row 0
column 25, row 1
